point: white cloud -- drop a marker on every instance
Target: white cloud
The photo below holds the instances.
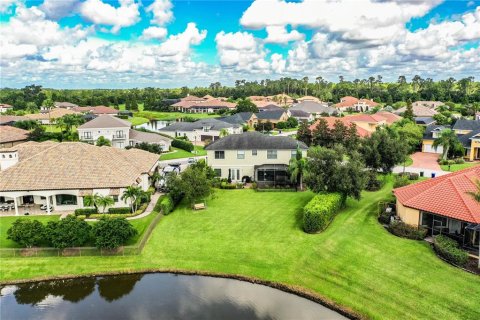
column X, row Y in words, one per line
column 154, row 33
column 162, row 12
column 6, row 5
column 102, row 13
column 241, row 51
column 178, row 46
column 55, row 9
column 279, row 34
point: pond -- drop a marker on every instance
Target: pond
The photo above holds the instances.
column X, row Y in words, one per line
column 154, row 296
column 154, row 125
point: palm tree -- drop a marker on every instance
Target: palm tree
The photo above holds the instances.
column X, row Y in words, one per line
column 104, row 202
column 448, row 140
column 132, row 193
column 91, row 200
column 223, row 133
column 297, row 168
column 475, row 194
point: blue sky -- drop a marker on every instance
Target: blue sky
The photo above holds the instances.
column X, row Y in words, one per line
column 163, row 43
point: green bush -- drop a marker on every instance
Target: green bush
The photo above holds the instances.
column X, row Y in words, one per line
column 167, row 205
column 400, row 181
column 182, row 144
column 226, row 185
column 404, row 230
column 86, row 211
column 26, row 232
column 68, row 232
column 449, row 250
column 111, row 233
column 373, row 183
column 413, row 176
column 321, row 210
column 119, row 210
column 459, row 161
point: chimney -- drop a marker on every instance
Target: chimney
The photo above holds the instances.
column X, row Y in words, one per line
column 8, row 158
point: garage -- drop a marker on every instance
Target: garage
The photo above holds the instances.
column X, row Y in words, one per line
column 430, row 149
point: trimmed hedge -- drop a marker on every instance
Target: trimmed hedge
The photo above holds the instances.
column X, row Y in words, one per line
column 404, row 230
column 119, row 210
column 167, row 205
column 182, row 144
column 448, row 249
column 85, row 211
column 226, row 185
column 321, row 210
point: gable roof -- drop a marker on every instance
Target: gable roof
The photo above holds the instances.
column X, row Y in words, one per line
column 465, row 139
column 313, row 107
column 424, row 120
column 214, row 124
column 105, row 121
column 464, row 124
column 51, row 114
column 270, row 115
column 238, row 118
column 331, row 123
column 4, row 119
column 300, row 113
column 370, row 118
column 445, row 195
column 76, row 165
column 12, row 134
column 267, row 106
column 254, row 141
column 418, row 111
column 428, row 134
column 390, row 117
column 148, row 137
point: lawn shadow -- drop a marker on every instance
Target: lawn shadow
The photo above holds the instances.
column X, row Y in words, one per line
column 298, row 224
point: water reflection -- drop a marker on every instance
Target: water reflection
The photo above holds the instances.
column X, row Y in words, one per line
column 154, row 296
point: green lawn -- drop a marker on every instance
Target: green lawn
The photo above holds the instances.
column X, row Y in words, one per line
column 180, row 153
column 122, row 106
column 138, row 120
column 457, row 167
column 355, row 262
column 409, row 162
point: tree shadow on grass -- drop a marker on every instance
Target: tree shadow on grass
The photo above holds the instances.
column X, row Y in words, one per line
column 298, row 219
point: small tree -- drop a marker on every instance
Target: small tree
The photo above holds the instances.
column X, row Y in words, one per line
column 111, row 233
column 304, row 134
column 132, row 193
column 195, row 184
column 408, row 114
column 26, row 232
column 104, row 202
column 448, row 140
column 68, row 232
column 102, row 141
column 297, row 168
column 245, row 105
column 90, row 200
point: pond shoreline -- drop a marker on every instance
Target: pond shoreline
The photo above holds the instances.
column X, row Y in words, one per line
column 296, row 290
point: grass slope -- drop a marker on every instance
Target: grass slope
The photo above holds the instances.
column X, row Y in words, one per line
column 355, row 262
column 457, row 167
column 180, row 153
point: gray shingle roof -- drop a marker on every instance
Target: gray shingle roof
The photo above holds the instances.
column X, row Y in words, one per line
column 105, row 121
column 434, row 127
column 148, row 137
column 267, row 115
column 465, row 138
column 464, row 124
column 214, row 124
column 255, row 141
column 313, row 107
column 424, row 120
column 238, row 118
column 299, row 113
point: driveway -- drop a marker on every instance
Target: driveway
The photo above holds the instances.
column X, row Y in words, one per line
column 424, row 160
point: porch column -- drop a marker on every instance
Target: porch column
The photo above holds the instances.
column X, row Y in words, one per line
column 48, row 205
column 16, row 205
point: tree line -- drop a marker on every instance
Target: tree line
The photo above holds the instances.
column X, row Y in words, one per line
column 464, row 90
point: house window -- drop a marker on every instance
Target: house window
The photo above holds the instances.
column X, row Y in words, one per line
column 120, row 134
column 293, row 154
column 115, row 198
column 87, row 135
column 65, row 199
column 218, row 172
column 206, row 129
column 271, row 154
column 240, row 154
column 254, row 152
column 219, row 154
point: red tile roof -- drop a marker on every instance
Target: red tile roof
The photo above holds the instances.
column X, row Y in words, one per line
column 445, row 195
column 367, row 118
column 331, row 122
column 391, row 117
column 349, row 102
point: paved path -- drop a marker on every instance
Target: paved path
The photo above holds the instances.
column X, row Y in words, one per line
column 426, row 161
column 148, row 210
column 426, row 172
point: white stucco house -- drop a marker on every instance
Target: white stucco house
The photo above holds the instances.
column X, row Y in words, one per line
column 201, row 130
column 119, row 133
column 60, row 175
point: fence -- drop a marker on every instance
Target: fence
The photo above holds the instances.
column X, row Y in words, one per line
column 83, row 251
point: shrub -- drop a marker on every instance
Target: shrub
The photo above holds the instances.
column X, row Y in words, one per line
column 119, row 210
column 373, row 183
column 413, row 176
column 141, row 209
column 182, row 144
column 26, row 232
column 400, row 181
column 254, row 186
column 449, row 250
column 226, row 185
column 68, row 232
column 111, row 233
column 239, row 185
column 404, row 230
column 167, row 205
column 86, row 211
column 459, row 161
column 321, row 210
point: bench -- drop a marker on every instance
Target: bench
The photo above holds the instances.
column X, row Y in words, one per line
column 199, row 206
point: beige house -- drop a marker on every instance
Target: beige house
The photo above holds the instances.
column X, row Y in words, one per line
column 253, row 156
column 49, row 116
column 60, row 175
column 11, row 136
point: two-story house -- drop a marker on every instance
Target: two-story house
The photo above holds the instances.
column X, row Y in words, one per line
column 253, row 156
column 119, row 133
column 201, row 130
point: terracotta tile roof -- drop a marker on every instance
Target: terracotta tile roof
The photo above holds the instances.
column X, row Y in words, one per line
column 419, row 111
column 331, row 122
column 349, row 102
column 257, row 98
column 445, row 195
column 371, row 118
column 77, row 165
column 215, row 103
column 12, row 134
column 262, row 104
column 390, row 117
column 5, row 106
column 308, row 98
column 208, row 97
column 105, row 121
column 10, row 119
column 52, row 114
column 29, row 149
